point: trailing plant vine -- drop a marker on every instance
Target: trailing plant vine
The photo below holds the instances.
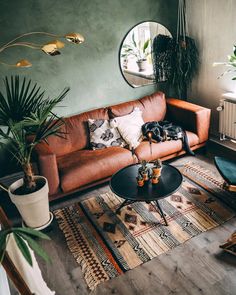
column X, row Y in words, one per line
column 184, row 65
column 162, row 55
column 176, row 60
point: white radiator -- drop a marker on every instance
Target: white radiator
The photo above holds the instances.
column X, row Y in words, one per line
column 227, row 118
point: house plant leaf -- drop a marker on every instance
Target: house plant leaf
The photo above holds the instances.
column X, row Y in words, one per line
column 32, row 232
column 23, row 248
column 35, row 246
column 145, row 46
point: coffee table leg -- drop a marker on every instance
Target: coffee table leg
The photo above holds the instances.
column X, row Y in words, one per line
column 125, row 203
column 121, row 206
column 161, row 212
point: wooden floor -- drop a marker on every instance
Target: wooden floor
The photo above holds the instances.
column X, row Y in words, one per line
column 196, row 267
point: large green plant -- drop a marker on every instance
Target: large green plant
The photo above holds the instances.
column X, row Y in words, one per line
column 26, row 119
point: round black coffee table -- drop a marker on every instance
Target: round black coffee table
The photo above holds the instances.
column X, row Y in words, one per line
column 124, row 184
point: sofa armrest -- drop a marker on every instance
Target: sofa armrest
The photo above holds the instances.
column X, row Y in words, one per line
column 190, row 116
column 47, row 165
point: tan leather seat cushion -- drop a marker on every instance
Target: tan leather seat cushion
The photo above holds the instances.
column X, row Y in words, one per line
column 163, row 149
column 85, row 166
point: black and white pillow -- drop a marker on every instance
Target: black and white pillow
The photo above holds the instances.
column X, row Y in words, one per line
column 102, row 135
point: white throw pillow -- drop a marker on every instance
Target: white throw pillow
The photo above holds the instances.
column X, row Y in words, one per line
column 102, row 135
column 130, row 127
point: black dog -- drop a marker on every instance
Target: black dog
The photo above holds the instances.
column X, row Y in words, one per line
column 165, row 130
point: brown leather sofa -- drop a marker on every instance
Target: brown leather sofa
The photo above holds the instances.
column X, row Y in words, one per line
column 70, row 165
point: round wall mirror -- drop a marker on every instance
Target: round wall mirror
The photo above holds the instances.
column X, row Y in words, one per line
column 136, row 53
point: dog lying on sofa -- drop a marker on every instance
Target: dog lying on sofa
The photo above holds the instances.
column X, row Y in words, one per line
column 165, row 130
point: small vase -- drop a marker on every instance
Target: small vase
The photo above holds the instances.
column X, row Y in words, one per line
column 140, row 182
column 155, row 180
column 145, row 176
column 156, row 171
column 142, row 65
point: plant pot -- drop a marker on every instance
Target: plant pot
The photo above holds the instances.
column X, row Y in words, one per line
column 145, row 176
column 142, row 65
column 33, row 207
column 155, row 180
column 156, row 171
column 140, row 182
column 125, row 63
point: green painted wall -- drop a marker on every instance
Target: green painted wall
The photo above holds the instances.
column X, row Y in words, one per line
column 91, row 69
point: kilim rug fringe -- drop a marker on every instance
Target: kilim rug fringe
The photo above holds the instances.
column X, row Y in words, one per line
column 106, row 244
column 77, row 251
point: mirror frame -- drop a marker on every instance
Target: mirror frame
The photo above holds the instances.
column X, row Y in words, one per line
column 120, row 48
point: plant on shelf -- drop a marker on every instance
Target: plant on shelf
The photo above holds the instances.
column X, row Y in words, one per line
column 138, row 50
column 26, row 119
column 231, row 64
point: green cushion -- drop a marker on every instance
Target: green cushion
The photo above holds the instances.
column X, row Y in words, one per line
column 227, row 169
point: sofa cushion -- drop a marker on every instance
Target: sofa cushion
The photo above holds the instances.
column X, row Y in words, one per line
column 162, row 149
column 86, row 166
column 130, row 127
column 102, row 135
column 77, row 132
column 153, row 107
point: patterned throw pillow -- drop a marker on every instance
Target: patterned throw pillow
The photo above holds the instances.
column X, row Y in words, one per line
column 129, row 127
column 102, row 135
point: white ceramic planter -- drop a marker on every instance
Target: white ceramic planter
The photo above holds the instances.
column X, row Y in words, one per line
column 34, row 207
column 142, row 65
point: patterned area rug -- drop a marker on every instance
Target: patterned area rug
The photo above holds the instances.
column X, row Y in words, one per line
column 106, row 244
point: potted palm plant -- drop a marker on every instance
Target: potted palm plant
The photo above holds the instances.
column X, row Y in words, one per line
column 138, row 50
column 26, row 119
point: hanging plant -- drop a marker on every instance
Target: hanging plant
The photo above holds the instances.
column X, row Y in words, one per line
column 184, row 65
column 161, row 57
column 185, row 56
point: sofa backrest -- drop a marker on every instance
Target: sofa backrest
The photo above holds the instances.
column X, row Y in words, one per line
column 77, row 132
column 76, row 128
column 153, row 107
